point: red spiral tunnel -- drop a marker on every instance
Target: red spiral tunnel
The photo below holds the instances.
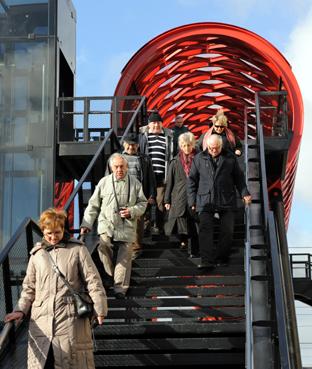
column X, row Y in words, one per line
column 196, row 68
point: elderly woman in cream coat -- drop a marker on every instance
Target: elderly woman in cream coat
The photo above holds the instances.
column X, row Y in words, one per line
column 58, row 338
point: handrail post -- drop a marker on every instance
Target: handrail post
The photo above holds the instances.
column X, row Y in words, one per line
column 7, row 285
column 86, row 111
column 115, row 115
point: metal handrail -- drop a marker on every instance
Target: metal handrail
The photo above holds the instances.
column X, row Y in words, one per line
column 24, row 224
column 286, row 352
column 288, row 291
column 5, row 333
column 111, row 135
column 113, row 111
column 249, row 363
column 132, row 120
column 248, row 297
column 260, row 141
column 307, row 265
column 27, row 222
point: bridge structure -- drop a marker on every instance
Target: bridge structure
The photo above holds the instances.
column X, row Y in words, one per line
column 175, row 314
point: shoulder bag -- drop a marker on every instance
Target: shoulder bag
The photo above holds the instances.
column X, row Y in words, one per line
column 82, row 300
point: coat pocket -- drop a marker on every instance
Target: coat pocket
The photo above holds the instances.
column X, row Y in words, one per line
column 203, row 199
column 227, row 199
column 36, row 309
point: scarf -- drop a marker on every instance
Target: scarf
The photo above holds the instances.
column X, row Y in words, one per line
column 229, row 135
column 63, row 243
column 186, row 161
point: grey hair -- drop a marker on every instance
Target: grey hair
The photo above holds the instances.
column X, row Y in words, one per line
column 117, row 155
column 187, row 138
column 214, row 138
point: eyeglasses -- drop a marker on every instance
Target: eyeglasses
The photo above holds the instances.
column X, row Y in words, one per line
column 218, row 126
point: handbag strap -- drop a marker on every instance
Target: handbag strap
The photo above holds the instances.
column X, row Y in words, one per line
column 60, row 274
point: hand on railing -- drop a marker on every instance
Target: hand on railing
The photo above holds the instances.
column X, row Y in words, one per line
column 9, row 319
column 84, row 230
column 247, row 200
column 15, row 315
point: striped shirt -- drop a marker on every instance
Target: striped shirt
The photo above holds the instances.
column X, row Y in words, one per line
column 157, row 153
column 134, row 167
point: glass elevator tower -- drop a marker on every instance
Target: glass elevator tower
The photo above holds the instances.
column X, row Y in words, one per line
column 37, row 65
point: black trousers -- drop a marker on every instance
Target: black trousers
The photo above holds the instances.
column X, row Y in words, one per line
column 192, row 228
column 49, row 364
column 207, row 250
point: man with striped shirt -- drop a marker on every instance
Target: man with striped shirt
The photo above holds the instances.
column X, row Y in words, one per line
column 157, row 142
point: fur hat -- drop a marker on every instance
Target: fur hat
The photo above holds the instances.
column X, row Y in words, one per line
column 154, row 117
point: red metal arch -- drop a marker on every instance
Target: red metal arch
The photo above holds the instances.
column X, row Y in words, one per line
column 196, row 68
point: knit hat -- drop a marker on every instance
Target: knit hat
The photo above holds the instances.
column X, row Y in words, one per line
column 154, row 117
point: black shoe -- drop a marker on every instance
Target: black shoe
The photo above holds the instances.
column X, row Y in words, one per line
column 206, row 266
column 222, row 262
column 120, row 295
column 193, row 256
column 155, row 231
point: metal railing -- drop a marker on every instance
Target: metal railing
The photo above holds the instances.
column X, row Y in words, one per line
column 13, row 261
column 29, row 231
column 85, row 119
column 110, row 139
column 247, row 265
column 288, row 291
column 289, row 352
column 301, row 265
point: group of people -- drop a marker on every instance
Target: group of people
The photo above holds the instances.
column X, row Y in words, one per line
column 194, row 182
column 190, row 182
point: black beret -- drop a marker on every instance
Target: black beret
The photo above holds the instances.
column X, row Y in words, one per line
column 154, row 117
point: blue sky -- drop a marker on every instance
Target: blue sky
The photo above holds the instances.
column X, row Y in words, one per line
column 110, row 32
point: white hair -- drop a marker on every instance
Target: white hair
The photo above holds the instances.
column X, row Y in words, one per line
column 117, row 155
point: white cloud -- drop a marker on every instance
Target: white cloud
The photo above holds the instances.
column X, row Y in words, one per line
column 299, row 54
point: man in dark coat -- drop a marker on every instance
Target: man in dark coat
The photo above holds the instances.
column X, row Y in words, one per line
column 214, row 176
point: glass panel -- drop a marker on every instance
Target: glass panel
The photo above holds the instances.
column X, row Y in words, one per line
column 22, row 18
column 27, row 112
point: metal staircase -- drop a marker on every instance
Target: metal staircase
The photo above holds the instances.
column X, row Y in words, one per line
column 175, row 314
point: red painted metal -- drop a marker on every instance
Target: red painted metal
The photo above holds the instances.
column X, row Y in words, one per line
column 63, row 191
column 196, row 68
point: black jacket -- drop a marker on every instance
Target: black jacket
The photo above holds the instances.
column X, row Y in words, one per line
column 211, row 189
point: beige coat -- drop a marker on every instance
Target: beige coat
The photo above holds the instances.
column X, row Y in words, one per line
column 53, row 318
column 102, row 205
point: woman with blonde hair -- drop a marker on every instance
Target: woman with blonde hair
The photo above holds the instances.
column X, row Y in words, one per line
column 180, row 218
column 230, row 141
column 58, row 337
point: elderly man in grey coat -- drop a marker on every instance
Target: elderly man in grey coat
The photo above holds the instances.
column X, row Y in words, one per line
column 117, row 202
